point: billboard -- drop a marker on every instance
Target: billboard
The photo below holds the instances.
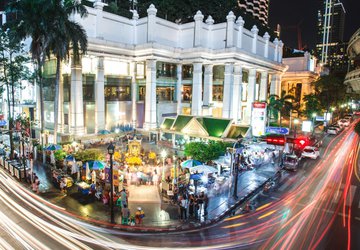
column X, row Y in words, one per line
column 258, row 118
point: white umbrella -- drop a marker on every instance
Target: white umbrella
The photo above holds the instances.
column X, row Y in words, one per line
column 204, row 169
column 87, row 172
column 52, row 158
column 74, row 167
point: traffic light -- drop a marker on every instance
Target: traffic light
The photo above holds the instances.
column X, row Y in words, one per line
column 276, row 140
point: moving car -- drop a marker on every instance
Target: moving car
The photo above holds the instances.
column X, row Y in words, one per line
column 291, row 162
column 344, row 122
column 332, row 131
column 311, row 152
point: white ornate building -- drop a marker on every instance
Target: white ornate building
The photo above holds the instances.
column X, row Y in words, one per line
column 352, row 78
column 142, row 70
column 301, row 72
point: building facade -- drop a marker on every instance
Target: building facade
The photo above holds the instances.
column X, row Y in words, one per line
column 301, row 73
column 331, row 24
column 352, row 78
column 139, row 71
column 259, row 9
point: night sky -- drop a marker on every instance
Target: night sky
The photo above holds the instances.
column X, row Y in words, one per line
column 289, row 13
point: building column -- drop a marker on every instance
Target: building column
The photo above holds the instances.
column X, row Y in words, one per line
column 77, row 104
column 61, row 104
column 133, row 93
column 99, row 96
column 235, row 110
column 208, row 84
column 250, row 95
column 263, row 86
column 196, row 97
column 178, row 88
column 150, row 97
column 275, row 87
column 228, row 88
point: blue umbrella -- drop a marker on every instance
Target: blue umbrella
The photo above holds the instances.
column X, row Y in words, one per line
column 195, row 177
column 95, row 165
column 104, row 132
column 69, row 158
column 53, row 147
column 190, row 163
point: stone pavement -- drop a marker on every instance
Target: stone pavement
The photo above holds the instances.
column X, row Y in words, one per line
column 158, row 213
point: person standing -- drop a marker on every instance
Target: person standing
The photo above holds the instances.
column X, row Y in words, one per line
column 139, row 215
column 206, row 203
column 123, row 196
column 125, row 214
column 191, row 206
column 183, row 209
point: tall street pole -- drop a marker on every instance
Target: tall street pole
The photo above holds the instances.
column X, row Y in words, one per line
column 111, row 149
column 236, row 172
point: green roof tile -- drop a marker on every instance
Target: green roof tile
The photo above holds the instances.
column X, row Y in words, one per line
column 167, row 123
column 180, row 122
column 214, row 126
column 237, row 132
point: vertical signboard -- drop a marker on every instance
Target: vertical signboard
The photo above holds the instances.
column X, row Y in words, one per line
column 258, row 118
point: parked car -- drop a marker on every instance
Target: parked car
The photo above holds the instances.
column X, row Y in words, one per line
column 344, row 122
column 332, row 131
column 310, row 152
column 291, row 162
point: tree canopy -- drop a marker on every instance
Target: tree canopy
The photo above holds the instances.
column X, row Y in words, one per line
column 205, row 152
column 330, row 90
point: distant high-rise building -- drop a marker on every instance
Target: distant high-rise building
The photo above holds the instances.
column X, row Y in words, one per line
column 331, row 22
column 258, row 8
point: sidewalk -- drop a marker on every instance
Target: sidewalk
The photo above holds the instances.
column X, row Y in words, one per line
column 158, row 214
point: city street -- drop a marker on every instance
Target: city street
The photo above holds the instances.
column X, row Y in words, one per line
column 305, row 210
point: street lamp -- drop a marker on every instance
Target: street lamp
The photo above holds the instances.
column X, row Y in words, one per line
column 163, row 156
column 111, row 149
column 233, row 171
column 313, row 122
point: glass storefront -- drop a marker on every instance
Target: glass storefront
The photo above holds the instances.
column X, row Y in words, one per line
column 142, row 93
column 66, row 88
column 218, row 91
column 187, row 71
column 186, row 93
column 165, row 93
column 117, row 89
column 49, row 89
column 165, row 70
column 88, row 88
column 218, row 83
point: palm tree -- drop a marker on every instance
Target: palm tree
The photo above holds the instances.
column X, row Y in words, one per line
column 66, row 35
column 280, row 105
column 33, row 21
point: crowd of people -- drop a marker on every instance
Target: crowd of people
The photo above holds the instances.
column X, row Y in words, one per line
column 192, row 206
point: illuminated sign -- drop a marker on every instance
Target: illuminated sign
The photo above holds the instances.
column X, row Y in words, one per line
column 258, row 118
column 307, row 126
